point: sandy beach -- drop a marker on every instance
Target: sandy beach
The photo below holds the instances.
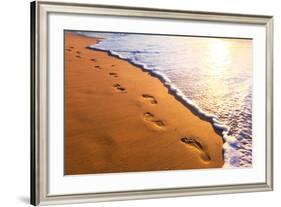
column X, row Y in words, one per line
column 119, row 118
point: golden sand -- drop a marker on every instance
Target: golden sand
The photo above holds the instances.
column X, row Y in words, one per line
column 119, row 118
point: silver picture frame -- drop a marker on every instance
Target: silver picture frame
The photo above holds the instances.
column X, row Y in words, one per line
column 39, row 100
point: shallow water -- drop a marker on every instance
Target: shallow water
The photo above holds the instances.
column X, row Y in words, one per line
column 212, row 74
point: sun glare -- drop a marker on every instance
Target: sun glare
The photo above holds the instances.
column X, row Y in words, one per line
column 219, row 55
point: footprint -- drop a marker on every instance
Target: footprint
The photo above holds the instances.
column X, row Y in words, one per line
column 93, row 59
column 72, row 47
column 194, row 143
column 69, row 50
column 159, row 123
column 119, row 88
column 78, row 56
column 151, row 118
column 112, row 65
column 97, row 66
column 115, row 75
column 148, row 116
column 78, row 52
column 151, row 98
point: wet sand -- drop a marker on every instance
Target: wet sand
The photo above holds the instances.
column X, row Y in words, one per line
column 119, row 118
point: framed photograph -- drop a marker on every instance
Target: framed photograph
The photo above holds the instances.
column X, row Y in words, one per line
column 133, row 103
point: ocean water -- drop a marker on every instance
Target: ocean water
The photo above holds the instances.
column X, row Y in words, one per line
column 213, row 75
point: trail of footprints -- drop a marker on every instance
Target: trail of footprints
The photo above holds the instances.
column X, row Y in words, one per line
column 77, row 53
column 148, row 116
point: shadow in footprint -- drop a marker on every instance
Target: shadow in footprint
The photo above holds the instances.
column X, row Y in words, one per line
column 148, row 116
column 72, row 47
column 78, row 56
column 194, row 143
column 159, row 123
column 78, row 52
column 93, row 59
column 115, row 75
column 97, row 66
column 151, row 118
column 119, row 88
column 69, row 50
column 150, row 98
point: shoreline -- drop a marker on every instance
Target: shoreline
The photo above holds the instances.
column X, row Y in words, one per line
column 137, row 124
column 196, row 110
